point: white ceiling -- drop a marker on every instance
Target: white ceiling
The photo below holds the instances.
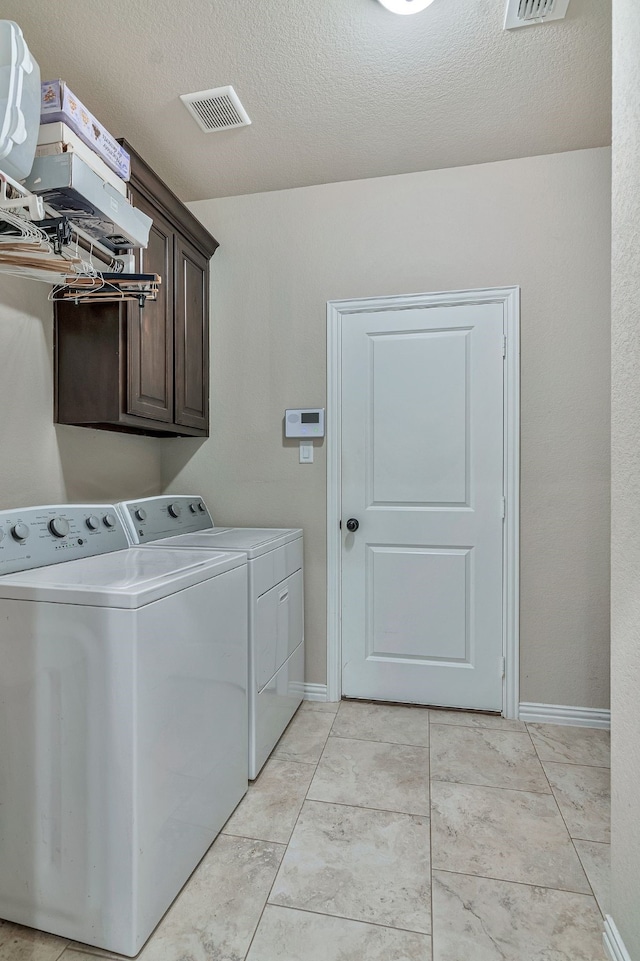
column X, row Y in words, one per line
column 336, row 89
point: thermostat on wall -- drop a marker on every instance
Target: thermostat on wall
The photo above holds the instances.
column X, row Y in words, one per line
column 304, row 422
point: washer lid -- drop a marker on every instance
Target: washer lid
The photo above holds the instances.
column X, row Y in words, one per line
column 252, row 541
column 123, row 579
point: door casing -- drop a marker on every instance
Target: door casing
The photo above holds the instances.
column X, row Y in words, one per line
column 338, row 313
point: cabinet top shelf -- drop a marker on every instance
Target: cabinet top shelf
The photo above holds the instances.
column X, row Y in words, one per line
column 145, row 180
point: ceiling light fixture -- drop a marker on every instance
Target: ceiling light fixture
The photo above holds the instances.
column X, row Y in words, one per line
column 406, row 6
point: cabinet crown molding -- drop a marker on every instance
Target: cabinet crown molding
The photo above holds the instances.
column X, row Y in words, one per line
column 145, row 180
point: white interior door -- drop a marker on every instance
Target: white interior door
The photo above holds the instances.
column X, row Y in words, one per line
column 422, row 474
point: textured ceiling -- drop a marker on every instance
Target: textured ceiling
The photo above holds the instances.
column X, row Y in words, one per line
column 336, row 89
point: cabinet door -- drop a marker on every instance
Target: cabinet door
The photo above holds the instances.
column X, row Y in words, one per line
column 192, row 336
column 150, row 328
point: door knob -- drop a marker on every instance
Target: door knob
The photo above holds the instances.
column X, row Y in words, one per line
column 353, row 524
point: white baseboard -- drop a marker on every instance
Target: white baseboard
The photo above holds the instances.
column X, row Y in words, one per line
column 315, row 692
column 565, row 714
column 613, row 943
column 543, row 713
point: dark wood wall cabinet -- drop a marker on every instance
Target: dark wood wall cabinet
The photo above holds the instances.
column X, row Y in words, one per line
column 144, row 370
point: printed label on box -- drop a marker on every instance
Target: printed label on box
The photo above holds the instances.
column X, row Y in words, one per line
column 59, row 103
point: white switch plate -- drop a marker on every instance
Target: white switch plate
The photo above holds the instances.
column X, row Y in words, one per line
column 306, row 452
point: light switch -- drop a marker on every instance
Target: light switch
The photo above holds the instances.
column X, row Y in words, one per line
column 306, row 452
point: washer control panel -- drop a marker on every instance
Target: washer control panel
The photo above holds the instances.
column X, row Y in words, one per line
column 36, row 536
column 153, row 518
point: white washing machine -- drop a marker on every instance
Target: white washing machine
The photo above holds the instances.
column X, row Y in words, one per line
column 123, row 720
column 276, row 609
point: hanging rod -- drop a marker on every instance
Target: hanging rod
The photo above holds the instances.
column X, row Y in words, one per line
column 38, row 210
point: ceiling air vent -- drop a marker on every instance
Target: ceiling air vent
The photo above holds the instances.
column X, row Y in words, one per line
column 217, row 109
column 527, row 13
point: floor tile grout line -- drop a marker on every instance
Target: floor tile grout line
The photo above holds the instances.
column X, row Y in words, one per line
column 497, row 787
column 482, row 727
column 590, row 840
column 250, row 837
column 606, row 844
column 544, row 725
column 284, row 760
column 501, row 787
column 357, row 807
column 552, row 794
column 524, row 884
column 598, row 767
column 573, row 841
column 565, row 822
column 286, row 847
column 376, row 740
column 604, row 767
column 432, row 868
column 254, row 786
column 365, row 807
column 342, row 917
column 493, row 787
column 552, row 761
column 480, row 730
column 547, row 779
column 278, row 757
column 58, row 956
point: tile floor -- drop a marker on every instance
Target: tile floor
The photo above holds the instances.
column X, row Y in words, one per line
column 382, row 833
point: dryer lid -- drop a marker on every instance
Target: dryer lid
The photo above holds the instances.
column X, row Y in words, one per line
column 253, row 541
column 126, row 579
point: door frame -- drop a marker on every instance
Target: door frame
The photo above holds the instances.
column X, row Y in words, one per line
column 338, row 313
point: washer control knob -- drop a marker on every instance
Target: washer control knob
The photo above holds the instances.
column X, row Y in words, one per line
column 109, row 520
column 92, row 522
column 193, row 508
column 141, row 514
column 20, row 531
column 201, row 507
column 175, row 510
column 59, row 526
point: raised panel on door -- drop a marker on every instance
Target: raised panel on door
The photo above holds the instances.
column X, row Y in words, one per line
column 192, row 336
column 150, row 328
column 419, row 604
column 418, row 444
column 422, row 463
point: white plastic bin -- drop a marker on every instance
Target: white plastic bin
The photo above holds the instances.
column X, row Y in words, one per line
column 19, row 102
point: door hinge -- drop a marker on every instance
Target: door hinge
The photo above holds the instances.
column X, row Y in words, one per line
column 504, row 507
column 502, row 666
column 504, row 346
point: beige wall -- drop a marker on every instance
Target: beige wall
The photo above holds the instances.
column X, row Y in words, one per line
column 542, row 223
column 39, row 462
column 625, row 594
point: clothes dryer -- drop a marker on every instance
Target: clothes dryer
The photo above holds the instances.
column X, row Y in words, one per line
column 275, row 603
column 123, row 720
